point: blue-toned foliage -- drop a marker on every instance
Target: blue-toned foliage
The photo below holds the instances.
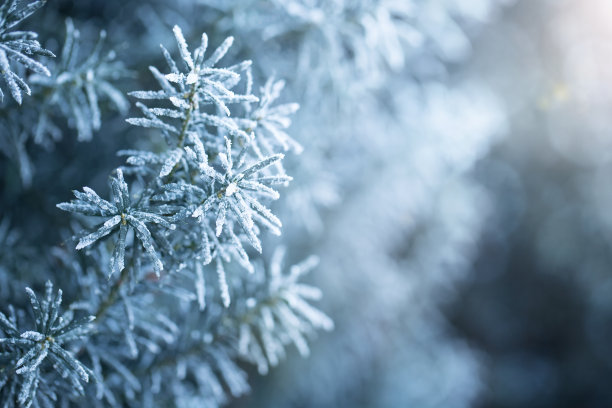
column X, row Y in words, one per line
column 27, row 355
column 120, row 215
column 75, row 88
column 168, row 252
column 19, row 47
column 195, row 199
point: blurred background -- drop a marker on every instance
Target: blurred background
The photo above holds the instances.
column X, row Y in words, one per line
column 494, row 290
column 455, row 182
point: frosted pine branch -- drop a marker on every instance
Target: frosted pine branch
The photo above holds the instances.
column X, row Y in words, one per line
column 19, row 46
column 32, row 352
column 77, row 86
column 120, row 215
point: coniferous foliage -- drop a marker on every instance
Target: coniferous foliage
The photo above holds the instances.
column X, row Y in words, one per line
column 19, row 47
column 74, row 88
column 260, row 133
column 192, row 209
column 69, row 90
column 26, row 353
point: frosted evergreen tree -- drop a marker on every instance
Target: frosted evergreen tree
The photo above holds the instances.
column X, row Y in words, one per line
column 199, row 177
column 197, row 198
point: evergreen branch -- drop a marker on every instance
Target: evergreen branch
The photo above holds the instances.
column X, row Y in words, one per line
column 17, row 46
